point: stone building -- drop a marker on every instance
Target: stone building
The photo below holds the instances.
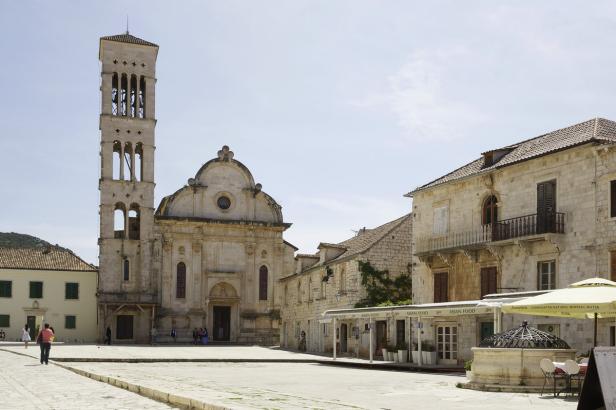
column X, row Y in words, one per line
column 532, row 216
column 40, row 283
column 330, row 279
column 211, row 254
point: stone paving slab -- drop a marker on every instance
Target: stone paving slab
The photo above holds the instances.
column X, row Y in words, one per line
column 26, row 384
column 313, row 386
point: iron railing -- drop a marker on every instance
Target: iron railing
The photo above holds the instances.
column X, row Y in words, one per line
column 451, row 240
column 527, row 225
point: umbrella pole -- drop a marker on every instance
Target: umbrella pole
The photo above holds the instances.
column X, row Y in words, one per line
column 595, row 339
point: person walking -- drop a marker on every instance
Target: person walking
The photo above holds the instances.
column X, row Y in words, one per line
column 173, row 334
column 25, row 335
column 108, row 336
column 45, row 338
column 195, row 335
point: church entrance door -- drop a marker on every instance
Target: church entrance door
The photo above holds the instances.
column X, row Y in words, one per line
column 222, row 323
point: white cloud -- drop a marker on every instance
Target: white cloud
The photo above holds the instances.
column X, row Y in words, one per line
column 424, row 94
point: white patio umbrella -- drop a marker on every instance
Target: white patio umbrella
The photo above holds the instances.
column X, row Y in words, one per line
column 590, row 298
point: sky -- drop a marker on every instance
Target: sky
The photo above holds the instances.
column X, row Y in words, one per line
column 337, row 107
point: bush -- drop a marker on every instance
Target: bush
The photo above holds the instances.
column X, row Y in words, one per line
column 467, row 365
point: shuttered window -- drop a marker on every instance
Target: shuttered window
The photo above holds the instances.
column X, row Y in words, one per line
column 36, row 290
column 441, row 287
column 180, row 281
column 6, row 288
column 441, row 220
column 613, row 199
column 263, row 283
column 613, row 265
column 488, row 281
column 71, row 290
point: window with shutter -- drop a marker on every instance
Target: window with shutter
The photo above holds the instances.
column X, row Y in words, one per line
column 441, row 219
column 613, row 265
column 546, row 275
column 546, row 206
column 180, row 283
column 263, row 283
column 440, row 287
column 613, row 199
column 488, row 281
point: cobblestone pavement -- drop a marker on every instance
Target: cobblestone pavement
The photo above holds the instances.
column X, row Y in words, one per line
column 26, row 384
column 314, row 386
column 163, row 352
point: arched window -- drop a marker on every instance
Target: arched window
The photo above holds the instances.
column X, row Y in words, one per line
column 114, row 94
column 126, row 269
column 299, row 291
column 142, row 97
column 489, row 212
column 139, row 162
column 119, row 221
column 123, row 94
column 128, row 162
column 134, row 222
column 117, row 171
column 133, row 95
column 180, row 281
column 263, row 283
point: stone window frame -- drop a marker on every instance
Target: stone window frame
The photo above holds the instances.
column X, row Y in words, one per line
column 8, row 286
column 231, row 199
column 66, row 321
column 552, row 274
column 66, row 291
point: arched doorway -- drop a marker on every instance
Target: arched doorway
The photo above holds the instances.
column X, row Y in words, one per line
column 223, row 300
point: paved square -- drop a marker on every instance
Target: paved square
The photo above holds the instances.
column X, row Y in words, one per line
column 26, row 384
column 254, row 385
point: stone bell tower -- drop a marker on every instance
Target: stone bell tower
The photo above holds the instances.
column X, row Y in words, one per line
column 127, row 291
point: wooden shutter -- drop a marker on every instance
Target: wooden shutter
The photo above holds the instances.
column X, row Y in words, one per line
column 440, row 287
column 263, row 283
column 180, row 281
column 613, row 199
column 613, row 265
column 488, row 281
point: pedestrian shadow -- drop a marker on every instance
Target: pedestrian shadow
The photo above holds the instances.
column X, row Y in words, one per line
column 30, row 365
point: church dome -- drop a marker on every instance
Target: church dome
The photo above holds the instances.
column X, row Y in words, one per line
column 524, row 337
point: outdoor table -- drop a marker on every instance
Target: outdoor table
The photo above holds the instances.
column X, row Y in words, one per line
column 560, row 368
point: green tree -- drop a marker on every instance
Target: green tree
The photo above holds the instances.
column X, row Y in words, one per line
column 381, row 290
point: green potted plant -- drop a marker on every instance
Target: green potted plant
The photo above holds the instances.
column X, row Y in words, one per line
column 428, row 353
column 468, row 366
column 403, row 353
column 392, row 354
column 415, row 353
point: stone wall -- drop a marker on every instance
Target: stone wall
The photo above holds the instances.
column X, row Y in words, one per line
column 582, row 175
column 308, row 296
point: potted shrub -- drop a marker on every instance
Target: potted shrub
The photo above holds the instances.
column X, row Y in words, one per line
column 415, row 353
column 403, row 353
column 392, row 354
column 428, row 355
column 468, row 367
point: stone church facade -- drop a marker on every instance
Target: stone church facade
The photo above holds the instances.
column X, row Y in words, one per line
column 210, row 255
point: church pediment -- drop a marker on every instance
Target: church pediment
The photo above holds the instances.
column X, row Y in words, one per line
column 222, row 190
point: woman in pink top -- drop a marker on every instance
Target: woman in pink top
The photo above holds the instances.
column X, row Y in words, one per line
column 45, row 338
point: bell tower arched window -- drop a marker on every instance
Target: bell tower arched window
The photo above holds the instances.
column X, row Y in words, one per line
column 489, row 212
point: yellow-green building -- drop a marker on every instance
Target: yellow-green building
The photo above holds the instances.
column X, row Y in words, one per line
column 43, row 283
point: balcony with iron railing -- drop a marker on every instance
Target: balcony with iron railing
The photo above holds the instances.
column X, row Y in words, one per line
column 507, row 229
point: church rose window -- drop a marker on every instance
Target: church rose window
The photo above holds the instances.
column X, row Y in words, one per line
column 224, row 202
